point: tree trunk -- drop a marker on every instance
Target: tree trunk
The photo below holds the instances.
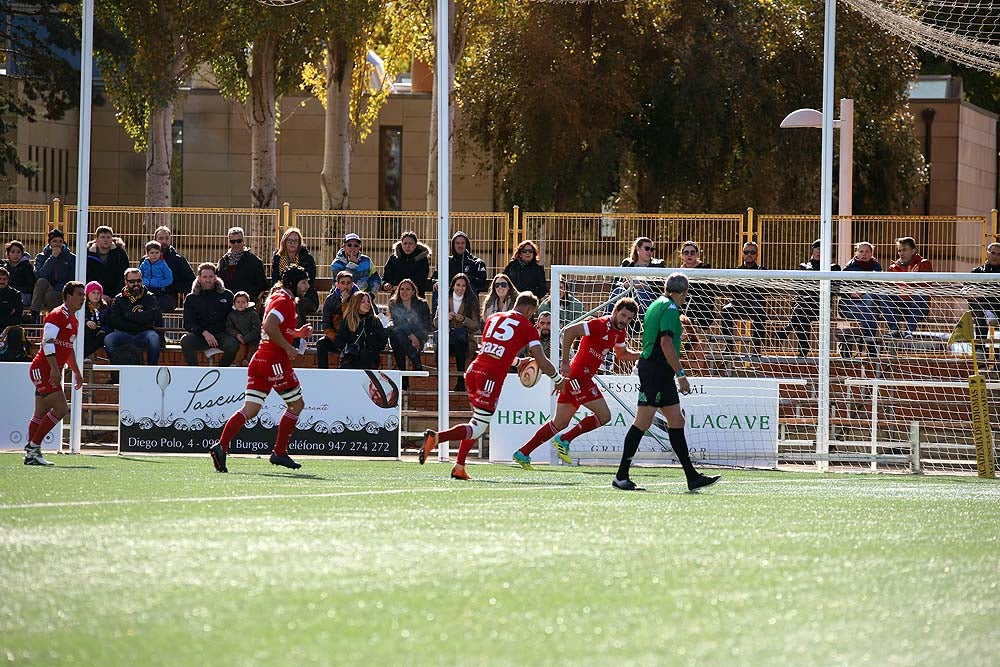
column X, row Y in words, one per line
column 456, row 45
column 335, row 180
column 159, row 152
column 263, row 170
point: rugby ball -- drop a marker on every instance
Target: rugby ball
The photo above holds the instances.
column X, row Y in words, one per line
column 382, row 390
column 529, row 372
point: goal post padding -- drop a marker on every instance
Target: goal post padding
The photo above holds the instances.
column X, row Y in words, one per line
column 896, row 392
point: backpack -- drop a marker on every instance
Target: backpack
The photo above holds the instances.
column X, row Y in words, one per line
column 14, row 345
column 126, row 355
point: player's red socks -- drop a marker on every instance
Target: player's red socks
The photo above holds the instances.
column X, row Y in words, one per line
column 32, row 429
column 587, row 424
column 285, row 427
column 45, row 424
column 463, row 451
column 460, row 432
column 232, row 427
column 544, row 434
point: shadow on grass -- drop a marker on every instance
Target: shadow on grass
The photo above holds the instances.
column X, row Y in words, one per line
column 64, row 467
column 517, row 482
column 139, row 459
column 278, row 475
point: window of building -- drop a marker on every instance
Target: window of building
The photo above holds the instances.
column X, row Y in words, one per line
column 177, row 164
column 390, row 168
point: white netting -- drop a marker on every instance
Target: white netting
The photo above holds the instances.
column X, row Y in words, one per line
column 966, row 31
column 898, row 391
column 279, row 3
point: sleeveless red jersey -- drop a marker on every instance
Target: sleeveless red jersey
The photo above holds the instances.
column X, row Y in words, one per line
column 282, row 305
column 68, row 328
column 599, row 337
column 504, row 335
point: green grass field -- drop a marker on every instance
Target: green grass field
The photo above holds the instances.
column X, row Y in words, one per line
column 161, row 561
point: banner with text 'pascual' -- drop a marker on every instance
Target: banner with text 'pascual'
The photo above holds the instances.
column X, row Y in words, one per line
column 181, row 410
column 728, row 421
column 18, row 406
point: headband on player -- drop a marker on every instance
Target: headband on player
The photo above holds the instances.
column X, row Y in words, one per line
column 292, row 275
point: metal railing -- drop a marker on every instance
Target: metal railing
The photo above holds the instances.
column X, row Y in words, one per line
column 27, row 223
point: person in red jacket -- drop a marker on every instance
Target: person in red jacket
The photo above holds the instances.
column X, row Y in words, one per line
column 903, row 311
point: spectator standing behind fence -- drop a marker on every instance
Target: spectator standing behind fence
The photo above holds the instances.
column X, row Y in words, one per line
column 700, row 302
column 409, row 259
column 243, row 324
column 410, row 327
column 570, row 308
column 157, row 276
column 107, row 260
column 22, row 274
column 903, row 312
column 461, row 260
column 350, row 258
column 501, row 296
column 132, row 318
column 206, row 310
column 241, row 270
column 95, row 319
column 179, row 267
column 858, row 306
column 292, row 250
column 55, row 265
column 645, row 291
column 986, row 309
column 746, row 304
column 361, row 336
column 334, row 309
column 805, row 306
column 464, row 323
column 525, row 271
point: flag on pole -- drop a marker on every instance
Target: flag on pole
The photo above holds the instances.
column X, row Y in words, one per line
column 963, row 332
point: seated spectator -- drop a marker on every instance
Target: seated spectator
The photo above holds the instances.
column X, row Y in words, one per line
column 805, row 306
column 464, row 324
column 131, row 319
column 241, row 270
column 206, row 310
column 157, row 277
column 410, row 326
column 525, row 271
column 107, row 260
column 55, row 265
column 22, row 274
column 361, row 336
column 13, row 344
column 643, row 291
column 409, row 259
column 700, row 303
column 350, row 258
column 291, row 250
column 461, row 260
column 986, row 309
column 179, row 267
column 544, row 326
column 904, row 311
column 860, row 307
column 95, row 319
column 243, row 324
column 334, row 309
column 570, row 308
column 746, row 304
column 501, row 296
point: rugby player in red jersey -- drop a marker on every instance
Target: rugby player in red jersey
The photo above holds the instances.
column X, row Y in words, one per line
column 599, row 335
column 271, row 368
column 504, row 335
column 58, row 335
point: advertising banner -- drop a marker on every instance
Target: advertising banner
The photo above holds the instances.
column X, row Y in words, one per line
column 183, row 409
column 728, row 421
column 18, row 406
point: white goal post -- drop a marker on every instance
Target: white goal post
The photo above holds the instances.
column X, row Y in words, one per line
column 863, row 373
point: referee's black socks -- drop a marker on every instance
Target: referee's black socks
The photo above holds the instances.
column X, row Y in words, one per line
column 632, row 440
column 680, row 446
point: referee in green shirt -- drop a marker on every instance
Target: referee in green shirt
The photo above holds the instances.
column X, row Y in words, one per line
column 659, row 364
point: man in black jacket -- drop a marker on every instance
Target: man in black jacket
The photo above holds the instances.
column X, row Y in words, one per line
column 205, row 311
column 986, row 308
column 132, row 318
column 107, row 261
column 179, row 267
column 242, row 270
column 12, row 341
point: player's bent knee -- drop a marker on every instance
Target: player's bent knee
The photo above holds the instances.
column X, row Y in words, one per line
column 479, row 424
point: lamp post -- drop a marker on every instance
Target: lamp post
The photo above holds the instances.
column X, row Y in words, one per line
column 814, row 118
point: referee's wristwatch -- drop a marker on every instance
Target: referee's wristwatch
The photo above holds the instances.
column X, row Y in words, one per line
column 680, row 374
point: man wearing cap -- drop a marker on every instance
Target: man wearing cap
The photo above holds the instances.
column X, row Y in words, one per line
column 55, row 265
column 805, row 307
column 242, row 270
column 350, row 258
column 205, row 311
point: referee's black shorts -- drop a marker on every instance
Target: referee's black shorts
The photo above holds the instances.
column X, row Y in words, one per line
column 656, row 384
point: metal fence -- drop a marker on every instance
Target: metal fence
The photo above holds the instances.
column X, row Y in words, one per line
column 27, row 223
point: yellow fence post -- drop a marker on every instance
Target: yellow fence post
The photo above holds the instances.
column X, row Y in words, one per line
column 511, row 237
column 54, row 213
column 282, row 224
column 749, row 233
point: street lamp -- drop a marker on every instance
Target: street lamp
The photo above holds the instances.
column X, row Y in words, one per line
column 814, row 118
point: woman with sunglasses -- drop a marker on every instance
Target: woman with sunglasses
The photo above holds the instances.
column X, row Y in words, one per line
column 700, row 303
column 501, row 296
column 525, row 271
column 746, row 304
column 292, row 250
column 644, row 292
